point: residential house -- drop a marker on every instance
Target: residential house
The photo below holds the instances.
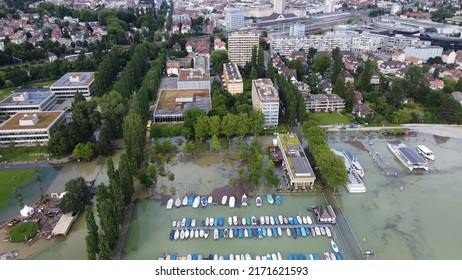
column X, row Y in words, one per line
column 324, row 103
column 370, row 56
column 198, row 46
column 348, row 77
column 454, row 74
column 362, row 111
column 18, row 37
column 449, row 57
column 219, row 44
column 457, row 95
column 390, row 67
column 375, row 78
column 350, row 60
column 326, row 87
column 56, row 34
column 173, row 67
column 177, row 47
column 298, row 55
column 359, row 97
column 398, row 56
column 408, row 101
column 429, row 76
column 414, row 60
column 437, row 84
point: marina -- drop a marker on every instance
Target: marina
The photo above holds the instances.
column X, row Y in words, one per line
column 408, row 156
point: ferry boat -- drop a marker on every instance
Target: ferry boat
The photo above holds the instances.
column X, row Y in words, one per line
column 408, row 156
column 425, row 152
column 354, row 163
column 355, row 184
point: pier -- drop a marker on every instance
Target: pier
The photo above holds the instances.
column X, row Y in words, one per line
column 377, row 157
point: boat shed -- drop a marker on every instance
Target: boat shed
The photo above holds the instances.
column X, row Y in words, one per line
column 324, row 214
column 64, row 224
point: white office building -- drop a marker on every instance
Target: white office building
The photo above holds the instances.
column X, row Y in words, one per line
column 234, row 19
column 71, row 83
column 265, row 98
column 424, row 53
column 297, row 30
column 400, row 42
column 27, row 102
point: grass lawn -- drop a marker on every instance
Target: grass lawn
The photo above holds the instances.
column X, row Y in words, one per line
column 326, row 118
column 23, row 153
column 282, row 128
column 12, row 179
column 4, row 92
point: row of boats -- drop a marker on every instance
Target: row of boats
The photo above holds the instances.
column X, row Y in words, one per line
column 253, row 232
column 272, row 256
column 195, row 201
column 244, row 221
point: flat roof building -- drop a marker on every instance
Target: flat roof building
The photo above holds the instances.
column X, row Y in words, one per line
column 71, row 83
column 265, row 98
column 193, row 79
column 297, row 169
column 232, row 79
column 27, row 102
column 240, row 47
column 324, row 102
column 172, row 103
column 31, row 128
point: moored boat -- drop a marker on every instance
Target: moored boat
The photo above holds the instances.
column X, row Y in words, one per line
column 206, row 233
column 235, row 220
column 270, row 198
column 201, row 233
column 177, row 202
column 224, row 199
column 323, row 231
column 328, row 232
column 317, row 230
column 334, row 246
column 244, row 200
column 262, row 220
column 210, row 200
column 185, row 201
column 193, row 222
column 232, row 201
column 279, row 231
column 299, row 220
column 277, row 200
column 308, row 219
column 182, row 234
column 258, row 201
column 230, row 220
column 183, row 222
column 225, row 233
column 190, row 200
column 267, row 220
column 271, row 220
column 313, row 232
column 177, row 235
column 304, row 220
column 303, row 231
column 279, row 256
column 215, row 234
column 196, row 202
column 281, row 220
column 174, row 223
column 425, row 152
column 186, row 234
column 289, row 232
column 253, row 221
column 204, row 201
column 169, row 204
column 243, row 221
column 172, row 234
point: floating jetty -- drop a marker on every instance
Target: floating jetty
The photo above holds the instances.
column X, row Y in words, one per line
column 408, row 156
column 246, row 256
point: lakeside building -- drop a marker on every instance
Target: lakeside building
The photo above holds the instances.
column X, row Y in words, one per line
column 232, row 79
column 324, row 102
column 240, row 47
column 297, row 169
column 265, row 98
column 172, row 103
column 30, row 129
column 193, row 79
column 71, row 83
column 26, row 101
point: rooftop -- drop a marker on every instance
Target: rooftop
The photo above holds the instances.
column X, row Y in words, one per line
column 191, row 74
column 232, row 71
column 324, row 97
column 75, row 79
column 25, row 98
column 295, row 155
column 265, row 90
column 177, row 101
column 44, row 120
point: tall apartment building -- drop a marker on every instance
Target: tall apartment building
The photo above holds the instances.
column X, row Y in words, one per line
column 232, row 78
column 400, row 42
column 234, row 19
column 297, row 30
column 279, row 6
column 240, row 47
column 329, row 6
column 265, row 98
column 424, row 53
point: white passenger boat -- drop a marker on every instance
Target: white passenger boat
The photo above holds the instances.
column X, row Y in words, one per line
column 354, row 163
column 408, row 157
column 210, row 200
column 425, row 152
column 355, row 183
column 328, row 232
column 224, row 199
column 235, row 220
column 308, row 219
column 230, row 220
column 185, row 201
column 196, row 202
column 232, row 201
column 289, row 233
column 215, row 234
column 169, row 204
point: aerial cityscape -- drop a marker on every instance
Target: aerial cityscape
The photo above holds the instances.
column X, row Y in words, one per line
column 230, row 130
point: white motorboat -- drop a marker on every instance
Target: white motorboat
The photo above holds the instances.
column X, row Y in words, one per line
column 183, row 222
column 201, row 233
column 207, row 221
column 258, row 258
column 211, row 220
column 286, row 220
column 267, row 220
column 230, row 220
column 243, row 221
column 323, row 231
column 258, row 201
column 231, row 257
column 272, row 220
column 173, row 223
column 304, row 220
column 263, row 258
column 332, row 256
column 328, row 232
column 334, row 246
column 317, row 230
column 246, row 233
column 192, row 233
column 226, row 233
column 313, row 232
column 299, row 220
column 253, row 221
column 182, row 234
column 279, row 231
column 269, row 232
column 235, row 220
column 279, row 256
column 193, row 222
column 177, row 235
column 186, row 234
column 196, row 202
column 231, row 234
column 177, row 202
column 215, row 234
column 274, row 256
column 281, row 220
column 248, row 257
column 244, row 200
column 327, row 256
column 206, row 234
column 237, row 257
column 308, row 219
column 196, row 233
column 289, row 233
column 262, row 220
column 169, row 204
column 425, row 152
column 185, row 201
column 210, row 200
column 232, row 201
column 215, row 257
column 224, row 199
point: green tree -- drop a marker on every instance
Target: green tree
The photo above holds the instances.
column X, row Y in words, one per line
column 256, row 122
column 228, row 125
column 77, row 196
column 92, row 238
column 261, row 63
column 190, row 118
column 322, row 62
column 83, row 151
column 215, row 125
column 253, row 57
column 268, row 173
column 134, row 139
column 126, row 179
column 202, row 128
column 215, row 142
column 242, row 125
column 109, row 224
column 218, row 58
column 337, row 64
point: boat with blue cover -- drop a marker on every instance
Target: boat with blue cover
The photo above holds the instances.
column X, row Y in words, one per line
column 298, row 232
column 264, row 231
column 221, row 221
column 188, row 222
column 276, row 220
column 278, row 200
column 236, row 232
column 301, row 257
column 241, row 233
column 248, row 221
column 295, row 220
column 339, row 256
column 260, row 233
column 307, row 257
column 194, row 257
column 289, row 256
column 172, row 234
column 215, row 222
column 204, row 201
column 191, row 201
column 316, row 256
column 220, row 233
column 173, row 257
column 270, row 198
column 254, row 233
column 275, row 232
column 303, row 231
column 294, row 256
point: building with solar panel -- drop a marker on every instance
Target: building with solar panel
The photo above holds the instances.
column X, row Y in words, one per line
column 297, row 169
column 408, row 156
